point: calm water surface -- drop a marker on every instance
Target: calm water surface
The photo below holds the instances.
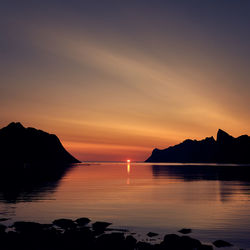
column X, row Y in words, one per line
column 212, row 200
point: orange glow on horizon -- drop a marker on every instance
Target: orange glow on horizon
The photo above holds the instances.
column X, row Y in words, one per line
column 107, row 96
column 105, row 152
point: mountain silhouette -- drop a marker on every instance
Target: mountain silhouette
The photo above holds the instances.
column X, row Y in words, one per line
column 29, row 145
column 225, row 149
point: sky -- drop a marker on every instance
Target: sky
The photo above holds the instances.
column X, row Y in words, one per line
column 115, row 79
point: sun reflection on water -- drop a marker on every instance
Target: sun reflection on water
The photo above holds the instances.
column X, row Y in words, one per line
column 128, row 171
column 128, row 167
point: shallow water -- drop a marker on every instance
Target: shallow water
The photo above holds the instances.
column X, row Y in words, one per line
column 213, row 200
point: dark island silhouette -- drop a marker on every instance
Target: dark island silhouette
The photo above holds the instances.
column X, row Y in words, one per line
column 20, row 145
column 225, row 149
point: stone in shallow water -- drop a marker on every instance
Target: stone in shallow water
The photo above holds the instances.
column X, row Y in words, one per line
column 222, row 243
column 65, row 223
column 27, row 226
column 47, row 226
column 185, row 230
column 151, row 234
column 190, row 242
column 82, row 221
column 100, row 225
column 130, row 242
column 173, row 241
column 3, row 219
column 111, row 241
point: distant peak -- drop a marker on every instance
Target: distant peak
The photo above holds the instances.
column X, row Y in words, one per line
column 209, row 139
column 30, row 145
column 222, row 132
column 16, row 125
column 156, row 150
column 222, row 136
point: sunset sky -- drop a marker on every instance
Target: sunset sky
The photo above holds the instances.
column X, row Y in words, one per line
column 115, row 79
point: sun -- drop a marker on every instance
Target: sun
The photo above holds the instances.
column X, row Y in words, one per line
column 128, row 161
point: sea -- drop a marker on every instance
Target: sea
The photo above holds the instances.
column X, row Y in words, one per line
column 211, row 199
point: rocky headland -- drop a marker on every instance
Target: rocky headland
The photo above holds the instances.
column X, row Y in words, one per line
column 31, row 146
column 225, row 149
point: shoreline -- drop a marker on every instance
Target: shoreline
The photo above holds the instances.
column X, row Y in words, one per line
column 84, row 234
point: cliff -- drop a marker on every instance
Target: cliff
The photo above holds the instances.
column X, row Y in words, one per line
column 225, row 149
column 29, row 145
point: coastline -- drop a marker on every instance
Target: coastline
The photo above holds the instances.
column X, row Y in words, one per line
column 82, row 233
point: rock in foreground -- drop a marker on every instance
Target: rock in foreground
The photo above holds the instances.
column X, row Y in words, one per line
column 151, row 234
column 185, row 231
column 222, row 243
column 66, row 234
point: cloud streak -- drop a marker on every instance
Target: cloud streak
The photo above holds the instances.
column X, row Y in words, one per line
column 149, row 84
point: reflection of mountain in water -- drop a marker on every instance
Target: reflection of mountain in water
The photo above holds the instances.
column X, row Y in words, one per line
column 231, row 180
column 29, row 183
column 203, row 172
